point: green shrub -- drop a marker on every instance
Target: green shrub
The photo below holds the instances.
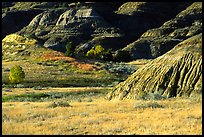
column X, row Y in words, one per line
column 33, row 97
column 99, row 52
column 70, row 48
column 16, row 74
column 91, row 53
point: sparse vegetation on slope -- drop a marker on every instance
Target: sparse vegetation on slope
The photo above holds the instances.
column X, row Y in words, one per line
column 157, row 41
column 176, row 73
column 45, row 67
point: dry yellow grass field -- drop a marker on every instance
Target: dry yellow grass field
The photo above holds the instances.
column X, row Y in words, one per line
column 99, row 116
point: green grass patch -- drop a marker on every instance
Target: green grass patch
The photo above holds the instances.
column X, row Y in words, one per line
column 49, row 96
column 62, row 74
column 25, row 97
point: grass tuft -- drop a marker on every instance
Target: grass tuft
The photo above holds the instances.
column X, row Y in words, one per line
column 59, row 104
column 144, row 105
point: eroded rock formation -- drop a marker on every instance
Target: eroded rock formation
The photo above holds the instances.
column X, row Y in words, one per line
column 155, row 42
column 111, row 24
column 176, row 73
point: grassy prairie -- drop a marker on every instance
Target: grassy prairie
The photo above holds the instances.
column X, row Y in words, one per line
column 59, row 74
column 48, row 68
column 41, row 106
column 94, row 115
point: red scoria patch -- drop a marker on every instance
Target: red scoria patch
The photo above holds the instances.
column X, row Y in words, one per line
column 61, row 56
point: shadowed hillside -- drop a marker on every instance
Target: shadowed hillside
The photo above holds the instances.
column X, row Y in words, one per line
column 157, row 41
column 114, row 25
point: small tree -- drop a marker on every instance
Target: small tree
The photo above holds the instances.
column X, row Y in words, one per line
column 16, row 74
column 96, row 52
column 99, row 50
column 70, row 48
column 91, row 53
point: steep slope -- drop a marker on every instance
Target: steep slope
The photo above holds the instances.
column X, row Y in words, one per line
column 78, row 23
column 16, row 47
column 133, row 19
column 111, row 24
column 137, row 17
column 176, row 73
column 16, row 15
column 157, row 41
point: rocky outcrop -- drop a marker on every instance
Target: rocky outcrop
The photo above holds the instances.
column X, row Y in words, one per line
column 42, row 24
column 77, row 24
column 176, row 73
column 16, row 47
column 157, row 41
column 112, row 24
column 78, row 21
column 80, row 25
column 17, row 15
column 134, row 18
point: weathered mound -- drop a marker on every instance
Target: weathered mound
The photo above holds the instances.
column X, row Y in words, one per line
column 155, row 42
column 113, row 25
column 17, row 47
column 176, row 73
column 17, row 39
column 59, row 26
column 16, row 15
column 134, row 18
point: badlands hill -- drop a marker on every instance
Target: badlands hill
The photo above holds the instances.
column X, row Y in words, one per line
column 144, row 29
column 174, row 74
column 168, row 33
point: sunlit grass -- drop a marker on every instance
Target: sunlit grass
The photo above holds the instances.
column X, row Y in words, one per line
column 54, row 74
column 99, row 116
